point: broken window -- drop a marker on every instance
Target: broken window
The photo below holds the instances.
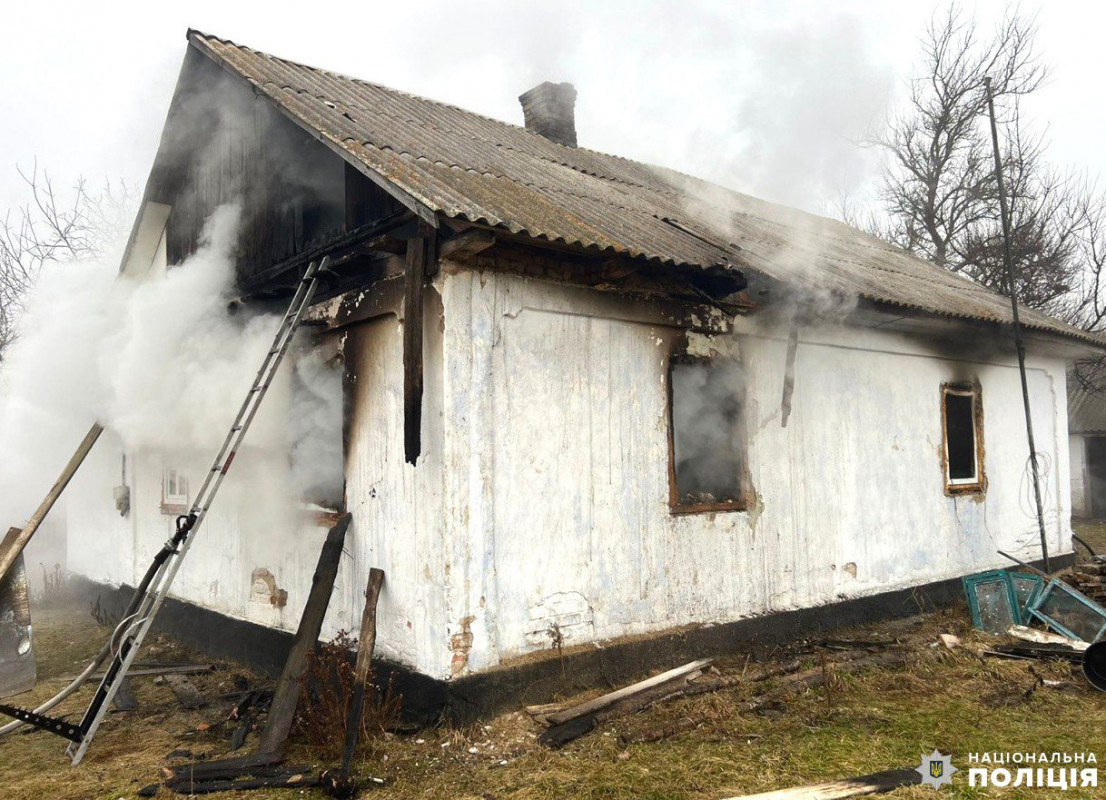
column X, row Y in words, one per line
column 707, row 432
column 963, row 415
column 174, row 491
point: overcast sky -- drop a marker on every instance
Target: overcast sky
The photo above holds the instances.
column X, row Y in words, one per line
column 765, row 97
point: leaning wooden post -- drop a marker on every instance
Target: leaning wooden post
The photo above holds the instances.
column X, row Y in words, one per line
column 366, row 645
column 16, row 538
column 287, row 694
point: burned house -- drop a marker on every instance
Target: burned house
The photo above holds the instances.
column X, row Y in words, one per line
column 586, row 399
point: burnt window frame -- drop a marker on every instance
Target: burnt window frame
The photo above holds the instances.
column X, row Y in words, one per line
column 978, row 484
column 746, row 495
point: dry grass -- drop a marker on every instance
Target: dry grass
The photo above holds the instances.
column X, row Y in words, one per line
column 326, row 695
column 880, row 719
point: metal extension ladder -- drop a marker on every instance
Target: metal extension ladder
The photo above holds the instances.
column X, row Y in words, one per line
column 132, row 629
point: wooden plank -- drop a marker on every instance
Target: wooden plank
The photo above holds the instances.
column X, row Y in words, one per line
column 166, row 669
column 223, row 767
column 559, row 735
column 469, row 243
column 876, row 783
column 287, row 694
column 591, row 706
column 1045, row 637
column 414, row 280
column 296, row 780
column 16, row 538
column 365, row 646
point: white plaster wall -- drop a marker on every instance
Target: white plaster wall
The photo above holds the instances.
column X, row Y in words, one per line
column 1080, row 503
column 541, row 495
column 396, row 507
column 556, row 473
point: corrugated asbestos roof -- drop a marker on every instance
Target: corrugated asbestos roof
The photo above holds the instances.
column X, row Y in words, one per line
column 473, row 168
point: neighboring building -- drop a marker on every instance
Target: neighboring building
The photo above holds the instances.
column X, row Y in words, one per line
column 649, row 404
column 1087, row 449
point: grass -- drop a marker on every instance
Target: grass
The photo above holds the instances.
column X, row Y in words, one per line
column 1093, row 531
column 880, row 719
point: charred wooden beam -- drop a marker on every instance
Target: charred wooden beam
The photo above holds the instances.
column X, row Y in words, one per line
column 789, row 373
column 366, row 645
column 467, row 244
column 381, row 236
column 419, row 254
column 279, row 779
column 252, row 764
column 287, row 694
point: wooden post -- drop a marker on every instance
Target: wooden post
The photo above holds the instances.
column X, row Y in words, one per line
column 418, row 255
column 287, row 694
column 365, row 646
column 16, row 538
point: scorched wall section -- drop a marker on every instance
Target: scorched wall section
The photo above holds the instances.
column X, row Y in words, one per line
column 556, row 484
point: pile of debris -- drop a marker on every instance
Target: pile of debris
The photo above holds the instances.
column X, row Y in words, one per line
column 1090, row 579
column 1005, row 602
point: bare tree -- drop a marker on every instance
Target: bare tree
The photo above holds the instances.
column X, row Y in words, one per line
column 940, row 190
column 51, row 229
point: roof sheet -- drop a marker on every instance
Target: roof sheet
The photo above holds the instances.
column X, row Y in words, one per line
column 474, row 168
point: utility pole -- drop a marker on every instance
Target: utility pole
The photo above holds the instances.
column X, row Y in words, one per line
column 1018, row 342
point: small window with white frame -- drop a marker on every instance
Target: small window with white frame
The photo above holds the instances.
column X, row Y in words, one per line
column 962, row 421
column 174, row 491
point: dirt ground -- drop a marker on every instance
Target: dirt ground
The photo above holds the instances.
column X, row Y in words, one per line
column 882, row 718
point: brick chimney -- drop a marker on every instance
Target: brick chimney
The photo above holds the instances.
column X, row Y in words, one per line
column 550, row 109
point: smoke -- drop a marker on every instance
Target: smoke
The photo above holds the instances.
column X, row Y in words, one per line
column 316, row 441
column 798, row 140
column 706, row 417
column 164, row 366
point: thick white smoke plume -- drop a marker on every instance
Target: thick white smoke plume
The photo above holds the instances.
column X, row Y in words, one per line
column 707, row 404
column 164, row 366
